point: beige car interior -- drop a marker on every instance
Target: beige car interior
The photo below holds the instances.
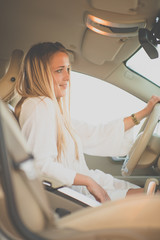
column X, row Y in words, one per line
column 30, row 210
column 26, row 212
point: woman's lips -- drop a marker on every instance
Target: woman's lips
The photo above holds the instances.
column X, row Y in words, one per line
column 63, row 86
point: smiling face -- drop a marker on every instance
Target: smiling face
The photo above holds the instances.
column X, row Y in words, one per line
column 60, row 68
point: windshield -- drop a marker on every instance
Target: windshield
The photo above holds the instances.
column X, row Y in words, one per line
column 143, row 65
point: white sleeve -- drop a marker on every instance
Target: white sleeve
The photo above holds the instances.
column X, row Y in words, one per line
column 105, row 139
column 39, row 126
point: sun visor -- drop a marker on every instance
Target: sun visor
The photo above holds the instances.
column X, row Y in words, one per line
column 99, row 49
column 107, row 33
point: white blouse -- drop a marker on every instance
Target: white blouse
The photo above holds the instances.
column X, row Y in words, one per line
column 39, row 126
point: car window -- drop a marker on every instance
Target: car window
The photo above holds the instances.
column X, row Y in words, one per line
column 96, row 101
column 142, row 64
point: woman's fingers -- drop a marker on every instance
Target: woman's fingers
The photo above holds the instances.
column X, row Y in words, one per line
column 151, row 103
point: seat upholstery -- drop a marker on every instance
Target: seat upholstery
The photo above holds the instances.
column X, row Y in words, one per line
column 7, row 82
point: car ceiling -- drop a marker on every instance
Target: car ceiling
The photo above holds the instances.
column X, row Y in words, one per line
column 25, row 22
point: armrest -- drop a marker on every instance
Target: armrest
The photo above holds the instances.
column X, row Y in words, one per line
column 78, row 196
column 51, row 182
column 64, row 193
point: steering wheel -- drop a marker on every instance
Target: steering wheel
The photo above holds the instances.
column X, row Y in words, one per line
column 141, row 142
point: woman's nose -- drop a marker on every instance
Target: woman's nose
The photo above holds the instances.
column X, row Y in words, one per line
column 67, row 75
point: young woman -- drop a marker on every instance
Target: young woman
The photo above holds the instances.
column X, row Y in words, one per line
column 58, row 143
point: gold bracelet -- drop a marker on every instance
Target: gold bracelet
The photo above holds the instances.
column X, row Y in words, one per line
column 135, row 119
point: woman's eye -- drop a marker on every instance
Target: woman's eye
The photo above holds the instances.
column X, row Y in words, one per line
column 59, row 71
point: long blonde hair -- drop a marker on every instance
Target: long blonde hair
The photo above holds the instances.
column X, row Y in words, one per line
column 35, row 80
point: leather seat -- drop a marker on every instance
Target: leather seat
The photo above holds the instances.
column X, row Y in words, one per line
column 7, row 82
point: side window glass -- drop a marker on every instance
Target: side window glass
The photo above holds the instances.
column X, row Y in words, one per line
column 150, row 67
column 96, row 101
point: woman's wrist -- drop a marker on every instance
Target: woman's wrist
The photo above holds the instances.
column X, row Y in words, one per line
column 134, row 119
column 142, row 114
column 81, row 179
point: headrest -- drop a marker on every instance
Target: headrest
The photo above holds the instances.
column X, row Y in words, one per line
column 7, row 82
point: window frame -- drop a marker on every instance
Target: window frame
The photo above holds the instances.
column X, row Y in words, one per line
column 137, row 73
